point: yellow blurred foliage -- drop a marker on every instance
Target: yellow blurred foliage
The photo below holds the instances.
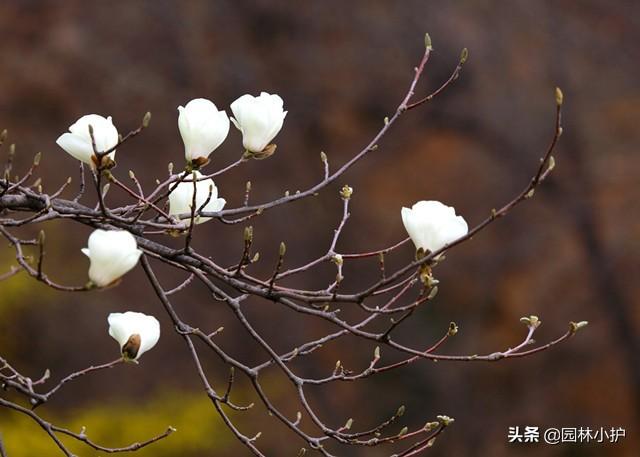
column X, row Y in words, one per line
column 198, row 428
column 15, row 289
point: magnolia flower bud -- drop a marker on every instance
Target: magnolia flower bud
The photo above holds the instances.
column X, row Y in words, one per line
column 135, row 333
column 259, row 119
column 112, row 254
column 78, row 142
column 181, row 198
column 431, row 225
column 203, row 128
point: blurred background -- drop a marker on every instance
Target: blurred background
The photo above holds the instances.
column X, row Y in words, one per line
column 571, row 253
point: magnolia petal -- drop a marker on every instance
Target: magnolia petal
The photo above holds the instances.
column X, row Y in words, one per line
column 112, row 254
column 202, row 127
column 181, row 198
column 432, row 225
column 123, row 326
column 75, row 146
column 78, row 142
column 258, row 118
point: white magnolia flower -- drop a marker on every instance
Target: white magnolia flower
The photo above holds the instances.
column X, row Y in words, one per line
column 112, row 254
column 258, row 118
column 203, row 128
column 182, row 196
column 135, row 333
column 78, row 142
column 431, row 225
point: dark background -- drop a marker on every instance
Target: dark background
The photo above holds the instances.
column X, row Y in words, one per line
column 341, row 67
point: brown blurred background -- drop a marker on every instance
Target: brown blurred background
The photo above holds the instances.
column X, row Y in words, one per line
column 571, row 253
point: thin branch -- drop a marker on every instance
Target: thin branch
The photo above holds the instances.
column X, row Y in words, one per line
column 53, row 429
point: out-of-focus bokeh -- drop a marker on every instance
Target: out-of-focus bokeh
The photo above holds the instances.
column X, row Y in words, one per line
column 571, row 253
